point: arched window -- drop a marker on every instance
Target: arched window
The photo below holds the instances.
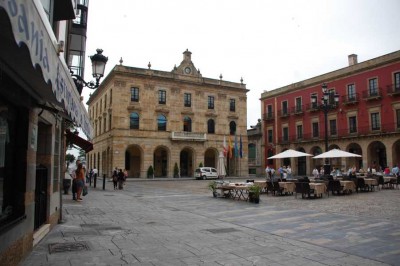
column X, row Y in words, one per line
column 232, row 128
column 162, row 123
column 187, row 124
column 134, row 121
column 211, row 126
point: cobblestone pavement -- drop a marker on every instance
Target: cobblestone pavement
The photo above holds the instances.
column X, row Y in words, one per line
column 178, row 222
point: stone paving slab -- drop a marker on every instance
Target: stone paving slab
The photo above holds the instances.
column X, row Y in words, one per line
column 156, row 223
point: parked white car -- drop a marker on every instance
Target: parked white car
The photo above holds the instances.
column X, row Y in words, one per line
column 205, row 173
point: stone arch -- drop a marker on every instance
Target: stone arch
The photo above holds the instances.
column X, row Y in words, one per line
column 377, row 155
column 211, row 157
column 186, row 162
column 301, row 163
column 161, row 157
column 354, row 161
column 134, row 160
column 334, row 162
column 316, row 163
column 396, row 153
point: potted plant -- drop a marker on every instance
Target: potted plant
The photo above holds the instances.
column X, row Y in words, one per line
column 254, row 193
column 213, row 187
column 176, row 170
column 200, row 164
column 150, row 172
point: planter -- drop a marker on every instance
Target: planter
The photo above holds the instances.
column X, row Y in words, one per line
column 215, row 194
column 254, row 197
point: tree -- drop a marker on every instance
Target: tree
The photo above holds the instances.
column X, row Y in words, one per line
column 176, row 170
column 69, row 158
column 82, row 153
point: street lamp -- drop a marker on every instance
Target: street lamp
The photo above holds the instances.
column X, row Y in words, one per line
column 99, row 62
column 326, row 105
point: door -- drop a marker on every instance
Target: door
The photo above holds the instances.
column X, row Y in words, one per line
column 40, row 196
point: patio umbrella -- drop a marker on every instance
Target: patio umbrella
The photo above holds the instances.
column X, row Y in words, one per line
column 289, row 154
column 335, row 153
column 221, row 165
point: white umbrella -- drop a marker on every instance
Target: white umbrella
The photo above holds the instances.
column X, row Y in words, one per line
column 221, row 165
column 335, row 153
column 289, row 154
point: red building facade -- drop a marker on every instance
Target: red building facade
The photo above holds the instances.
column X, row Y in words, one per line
column 366, row 120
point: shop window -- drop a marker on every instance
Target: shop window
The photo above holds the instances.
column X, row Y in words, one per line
column 13, row 146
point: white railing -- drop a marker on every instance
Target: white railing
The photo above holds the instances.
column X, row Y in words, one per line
column 189, row 136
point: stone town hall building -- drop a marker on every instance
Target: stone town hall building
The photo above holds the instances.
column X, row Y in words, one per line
column 145, row 117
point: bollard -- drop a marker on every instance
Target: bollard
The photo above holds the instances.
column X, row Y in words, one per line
column 104, row 181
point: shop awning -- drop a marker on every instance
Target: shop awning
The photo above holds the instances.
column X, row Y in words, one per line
column 31, row 31
column 73, row 138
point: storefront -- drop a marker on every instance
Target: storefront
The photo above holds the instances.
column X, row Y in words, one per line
column 37, row 97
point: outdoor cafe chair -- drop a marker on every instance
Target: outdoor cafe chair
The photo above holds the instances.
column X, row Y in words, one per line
column 395, row 182
column 360, row 184
column 277, row 188
column 336, row 187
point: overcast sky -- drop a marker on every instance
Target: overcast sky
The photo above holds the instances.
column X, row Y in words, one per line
column 269, row 43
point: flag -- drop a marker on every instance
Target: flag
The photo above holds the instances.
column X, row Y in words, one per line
column 225, row 147
column 230, row 147
column 236, row 147
column 241, row 147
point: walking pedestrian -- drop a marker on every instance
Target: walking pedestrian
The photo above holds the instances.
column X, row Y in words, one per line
column 73, row 175
column 125, row 176
column 115, row 178
column 120, row 179
column 80, row 181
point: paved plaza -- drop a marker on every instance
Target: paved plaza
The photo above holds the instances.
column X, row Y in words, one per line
column 178, row 222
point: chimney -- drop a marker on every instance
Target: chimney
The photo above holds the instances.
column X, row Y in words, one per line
column 352, row 59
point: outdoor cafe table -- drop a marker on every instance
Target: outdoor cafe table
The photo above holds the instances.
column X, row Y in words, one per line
column 319, row 188
column 348, row 185
column 288, row 187
column 371, row 181
column 262, row 184
column 388, row 178
column 235, row 191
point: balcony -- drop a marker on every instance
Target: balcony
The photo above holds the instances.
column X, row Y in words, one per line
column 393, row 90
column 383, row 129
column 371, row 95
column 312, row 107
column 268, row 116
column 351, row 99
column 283, row 113
column 188, row 136
column 298, row 110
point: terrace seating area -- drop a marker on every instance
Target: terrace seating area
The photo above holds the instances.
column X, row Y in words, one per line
column 309, row 188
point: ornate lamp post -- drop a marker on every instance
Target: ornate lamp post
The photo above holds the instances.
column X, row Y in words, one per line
column 99, row 62
column 326, row 105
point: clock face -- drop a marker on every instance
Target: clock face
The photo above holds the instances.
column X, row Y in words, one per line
column 187, row 70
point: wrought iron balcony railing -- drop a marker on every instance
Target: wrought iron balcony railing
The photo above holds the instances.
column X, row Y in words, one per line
column 372, row 94
column 389, row 128
column 268, row 116
column 351, row 98
column 393, row 89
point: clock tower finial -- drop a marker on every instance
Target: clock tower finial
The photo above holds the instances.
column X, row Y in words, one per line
column 187, row 55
